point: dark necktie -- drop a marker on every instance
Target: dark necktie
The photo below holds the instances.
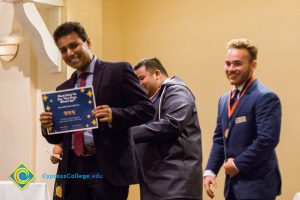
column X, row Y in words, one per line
column 78, row 135
column 234, row 98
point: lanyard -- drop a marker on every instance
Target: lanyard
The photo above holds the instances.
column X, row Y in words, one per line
column 154, row 96
column 231, row 109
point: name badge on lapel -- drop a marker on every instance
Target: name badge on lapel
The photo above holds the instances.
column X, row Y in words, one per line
column 239, row 120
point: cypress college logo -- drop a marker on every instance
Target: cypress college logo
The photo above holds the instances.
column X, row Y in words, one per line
column 22, row 176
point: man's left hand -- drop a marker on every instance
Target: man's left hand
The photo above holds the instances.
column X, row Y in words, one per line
column 103, row 113
column 230, row 168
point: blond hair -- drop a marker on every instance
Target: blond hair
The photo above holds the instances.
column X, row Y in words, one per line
column 243, row 43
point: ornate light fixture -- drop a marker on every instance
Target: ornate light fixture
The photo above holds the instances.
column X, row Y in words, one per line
column 12, row 1
column 9, row 48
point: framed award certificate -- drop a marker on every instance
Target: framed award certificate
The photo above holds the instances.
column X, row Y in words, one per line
column 71, row 109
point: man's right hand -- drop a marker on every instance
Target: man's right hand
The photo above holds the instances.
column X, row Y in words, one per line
column 210, row 180
column 46, row 119
column 55, row 158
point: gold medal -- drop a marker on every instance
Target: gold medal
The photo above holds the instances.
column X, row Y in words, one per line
column 58, row 191
column 226, row 133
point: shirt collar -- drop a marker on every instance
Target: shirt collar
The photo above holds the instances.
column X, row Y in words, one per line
column 90, row 68
column 240, row 88
column 166, row 81
column 155, row 95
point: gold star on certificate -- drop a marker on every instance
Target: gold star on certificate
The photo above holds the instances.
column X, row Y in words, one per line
column 89, row 93
column 90, row 101
column 48, row 108
column 88, row 116
column 45, row 98
column 82, row 90
column 94, row 122
column 49, row 129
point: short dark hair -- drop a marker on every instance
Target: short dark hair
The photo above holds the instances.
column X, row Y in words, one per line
column 151, row 64
column 67, row 28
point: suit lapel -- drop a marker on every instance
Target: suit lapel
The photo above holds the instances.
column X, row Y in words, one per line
column 241, row 104
column 237, row 110
column 224, row 110
column 71, row 82
column 98, row 72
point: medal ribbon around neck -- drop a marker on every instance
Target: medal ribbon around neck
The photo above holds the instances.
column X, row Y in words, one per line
column 231, row 109
column 154, row 96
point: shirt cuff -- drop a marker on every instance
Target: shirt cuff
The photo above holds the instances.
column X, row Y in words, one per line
column 235, row 166
column 209, row 173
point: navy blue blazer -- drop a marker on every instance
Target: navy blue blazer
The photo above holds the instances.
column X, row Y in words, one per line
column 254, row 130
column 116, row 85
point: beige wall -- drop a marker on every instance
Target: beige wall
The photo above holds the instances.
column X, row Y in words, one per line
column 190, row 37
column 113, row 31
column 15, row 112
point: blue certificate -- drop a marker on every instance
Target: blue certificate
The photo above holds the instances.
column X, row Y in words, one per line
column 71, row 109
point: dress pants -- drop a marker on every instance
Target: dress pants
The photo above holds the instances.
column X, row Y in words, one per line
column 91, row 188
column 231, row 196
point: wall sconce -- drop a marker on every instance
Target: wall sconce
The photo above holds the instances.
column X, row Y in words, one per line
column 9, row 48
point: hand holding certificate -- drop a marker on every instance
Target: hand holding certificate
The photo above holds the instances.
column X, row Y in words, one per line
column 71, row 110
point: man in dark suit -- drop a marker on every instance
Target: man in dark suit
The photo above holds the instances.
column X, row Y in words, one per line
column 247, row 132
column 121, row 103
column 170, row 145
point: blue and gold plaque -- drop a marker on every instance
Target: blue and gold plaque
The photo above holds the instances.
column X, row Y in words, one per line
column 71, row 109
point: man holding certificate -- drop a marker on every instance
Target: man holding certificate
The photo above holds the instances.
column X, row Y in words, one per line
column 120, row 103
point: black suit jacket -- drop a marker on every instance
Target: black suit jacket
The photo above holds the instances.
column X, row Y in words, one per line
column 116, row 85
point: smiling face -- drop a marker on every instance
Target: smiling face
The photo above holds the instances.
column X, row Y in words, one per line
column 238, row 67
column 150, row 81
column 74, row 51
